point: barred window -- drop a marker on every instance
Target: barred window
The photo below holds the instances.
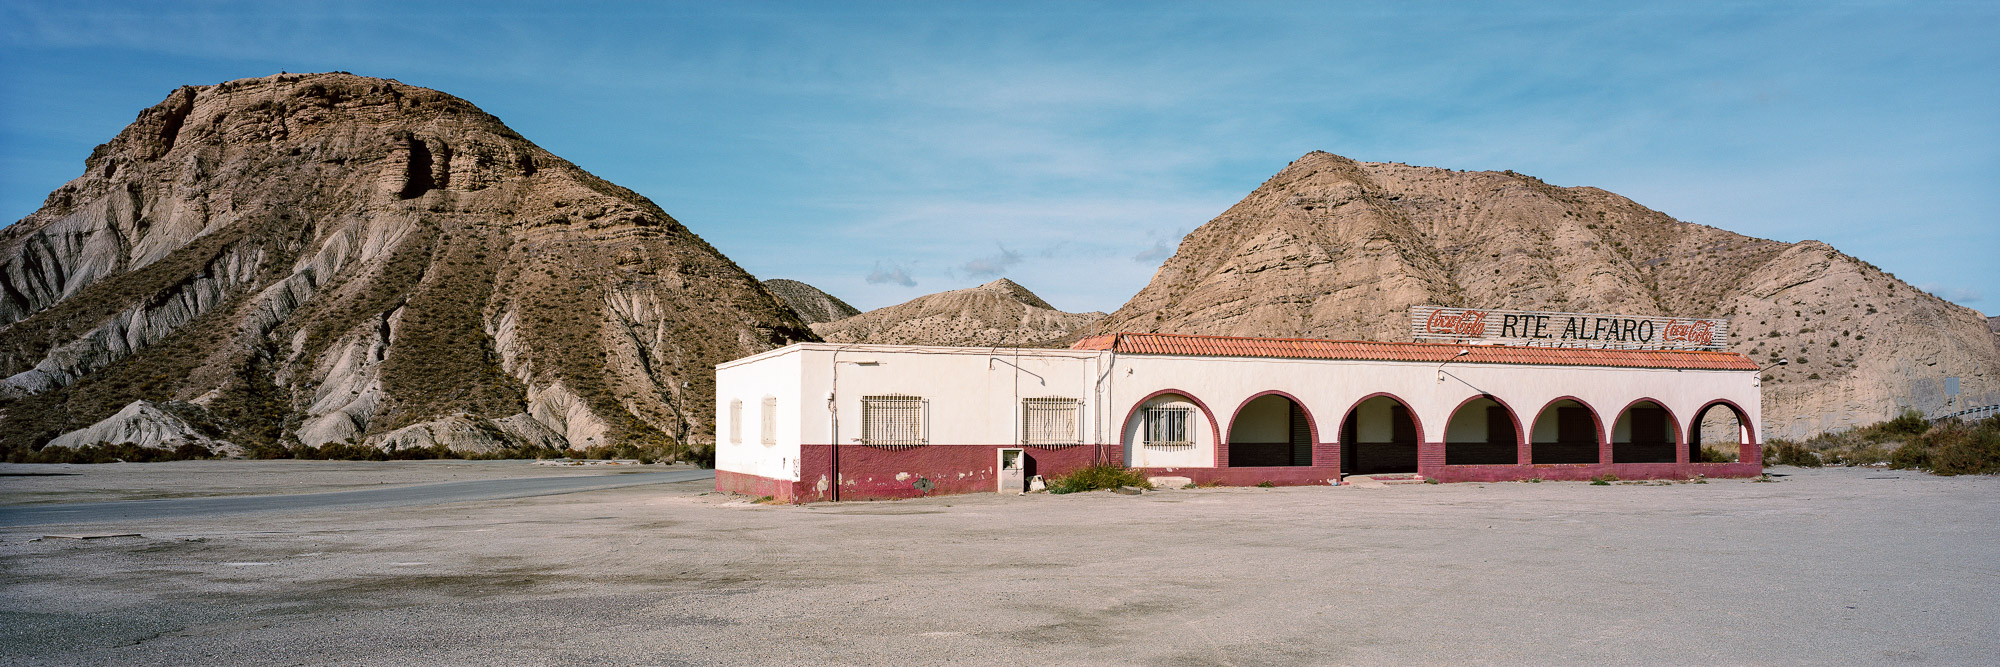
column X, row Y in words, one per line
column 1167, row 426
column 770, row 420
column 736, row 422
column 894, row 420
column 1049, row 421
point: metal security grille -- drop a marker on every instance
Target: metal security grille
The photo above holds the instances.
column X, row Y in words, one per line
column 1167, row 427
column 1049, row 422
column 894, row 421
column 770, row 420
column 736, row 422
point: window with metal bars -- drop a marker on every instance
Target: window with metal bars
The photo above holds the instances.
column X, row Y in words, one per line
column 1049, row 422
column 894, row 420
column 736, row 422
column 770, row 420
column 1167, row 426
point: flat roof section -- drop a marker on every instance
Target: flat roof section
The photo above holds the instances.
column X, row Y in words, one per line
column 1354, row 350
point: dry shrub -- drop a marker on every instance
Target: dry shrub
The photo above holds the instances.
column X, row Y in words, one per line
column 1101, row 476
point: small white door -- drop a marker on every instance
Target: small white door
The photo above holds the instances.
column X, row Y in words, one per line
column 1013, row 467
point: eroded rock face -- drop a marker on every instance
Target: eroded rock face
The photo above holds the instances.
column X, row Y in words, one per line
column 332, row 258
column 999, row 313
column 1333, row 248
column 143, row 424
column 811, row 304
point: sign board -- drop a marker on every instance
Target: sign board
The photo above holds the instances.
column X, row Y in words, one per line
column 1540, row 329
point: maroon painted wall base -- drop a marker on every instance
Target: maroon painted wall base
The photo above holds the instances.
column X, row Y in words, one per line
column 871, row 473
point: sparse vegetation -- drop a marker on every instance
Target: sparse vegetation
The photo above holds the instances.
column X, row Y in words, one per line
column 1098, row 477
column 1908, row 442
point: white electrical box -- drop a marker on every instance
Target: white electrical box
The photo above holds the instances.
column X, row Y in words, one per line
column 1013, row 468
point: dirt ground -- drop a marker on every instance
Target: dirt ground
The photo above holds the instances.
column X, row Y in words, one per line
column 1821, row 567
column 28, row 484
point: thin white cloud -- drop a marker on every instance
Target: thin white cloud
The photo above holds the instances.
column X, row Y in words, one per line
column 892, row 275
column 1159, row 251
column 992, row 265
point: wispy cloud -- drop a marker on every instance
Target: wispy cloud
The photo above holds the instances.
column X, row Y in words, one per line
column 1159, row 251
column 993, row 265
column 892, row 275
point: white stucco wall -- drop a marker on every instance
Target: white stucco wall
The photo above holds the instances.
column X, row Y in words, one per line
column 1469, row 423
column 776, row 374
column 974, row 394
column 1267, row 418
column 1140, row 454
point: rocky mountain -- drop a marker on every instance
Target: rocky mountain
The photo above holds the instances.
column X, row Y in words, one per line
column 999, row 313
column 328, row 258
column 808, row 302
column 1334, row 248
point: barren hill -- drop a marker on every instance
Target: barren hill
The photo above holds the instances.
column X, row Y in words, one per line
column 1330, row 247
column 328, row 258
column 810, row 303
column 999, row 313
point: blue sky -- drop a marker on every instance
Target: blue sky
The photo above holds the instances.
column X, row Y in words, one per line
column 883, row 151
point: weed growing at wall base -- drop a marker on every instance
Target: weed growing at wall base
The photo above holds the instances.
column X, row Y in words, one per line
column 1097, row 477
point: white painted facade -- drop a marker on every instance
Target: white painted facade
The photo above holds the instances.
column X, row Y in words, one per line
column 973, row 396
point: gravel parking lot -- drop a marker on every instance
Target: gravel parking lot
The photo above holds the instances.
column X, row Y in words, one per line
column 1823, row 566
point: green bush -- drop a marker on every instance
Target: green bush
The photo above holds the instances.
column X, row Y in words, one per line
column 109, row 453
column 1788, row 453
column 1953, row 448
column 1101, row 476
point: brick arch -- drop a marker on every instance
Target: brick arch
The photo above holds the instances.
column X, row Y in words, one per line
column 1312, row 423
column 1415, row 420
column 1742, row 417
column 1603, row 433
column 1214, row 429
column 1680, row 434
column 1520, row 431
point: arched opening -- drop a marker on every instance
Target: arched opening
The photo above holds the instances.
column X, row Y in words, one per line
column 1169, row 430
column 1482, row 432
column 1378, row 436
column 1565, row 432
column 1644, row 433
column 1717, row 435
column 1270, row 430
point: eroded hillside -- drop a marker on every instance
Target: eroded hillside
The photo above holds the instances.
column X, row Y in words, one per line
column 328, row 258
column 1334, row 248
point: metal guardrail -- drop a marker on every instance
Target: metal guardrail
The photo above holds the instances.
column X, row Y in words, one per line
column 1971, row 414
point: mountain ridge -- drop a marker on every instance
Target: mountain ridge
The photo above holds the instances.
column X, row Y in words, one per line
column 315, row 259
column 1000, row 313
column 1334, row 248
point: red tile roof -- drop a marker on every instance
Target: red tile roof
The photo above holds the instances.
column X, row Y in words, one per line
column 1309, row 348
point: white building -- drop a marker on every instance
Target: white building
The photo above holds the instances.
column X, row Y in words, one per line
column 819, row 421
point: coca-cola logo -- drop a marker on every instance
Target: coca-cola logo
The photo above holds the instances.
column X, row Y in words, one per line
column 1467, row 323
column 1688, row 331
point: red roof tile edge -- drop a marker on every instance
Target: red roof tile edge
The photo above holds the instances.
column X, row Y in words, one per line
column 1354, row 350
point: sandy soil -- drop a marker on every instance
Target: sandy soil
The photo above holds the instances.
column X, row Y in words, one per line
column 24, row 484
column 1822, row 567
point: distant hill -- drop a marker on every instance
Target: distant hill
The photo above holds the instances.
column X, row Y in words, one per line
column 1334, row 248
column 808, row 302
column 999, row 313
column 311, row 259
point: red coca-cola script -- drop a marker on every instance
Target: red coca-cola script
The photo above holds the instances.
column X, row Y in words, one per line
column 1468, row 323
column 1688, row 331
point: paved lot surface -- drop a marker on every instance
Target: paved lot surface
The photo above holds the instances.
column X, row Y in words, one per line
column 29, row 484
column 376, row 498
column 1824, row 567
